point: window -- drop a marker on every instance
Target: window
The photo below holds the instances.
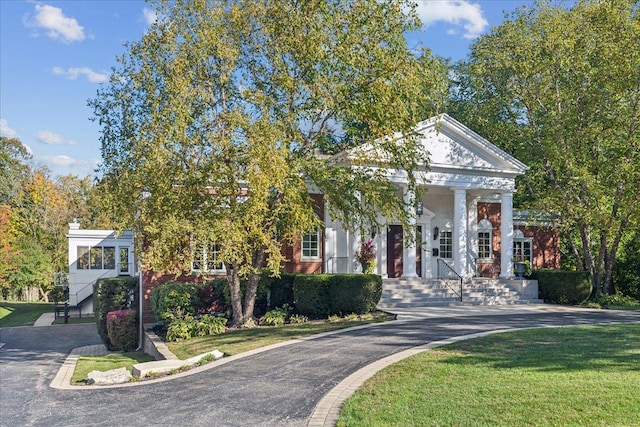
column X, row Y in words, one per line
column 446, row 244
column 83, row 258
column 124, row 260
column 485, row 230
column 96, row 258
column 311, row 245
column 522, row 247
column 206, row 258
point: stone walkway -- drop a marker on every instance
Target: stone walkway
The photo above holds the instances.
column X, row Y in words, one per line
column 46, row 319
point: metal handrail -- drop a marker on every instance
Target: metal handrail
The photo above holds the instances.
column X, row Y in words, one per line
column 442, row 264
column 333, row 260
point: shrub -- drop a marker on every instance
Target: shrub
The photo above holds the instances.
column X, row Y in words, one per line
column 181, row 329
column 122, row 329
column 298, row 318
column 563, row 287
column 311, row 295
column 277, row 316
column 189, row 327
column 355, row 293
column 279, row 289
column 321, row 295
column 616, row 300
column 112, row 294
column 210, row 325
column 174, row 300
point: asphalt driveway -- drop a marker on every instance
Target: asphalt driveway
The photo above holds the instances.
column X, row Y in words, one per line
column 279, row 387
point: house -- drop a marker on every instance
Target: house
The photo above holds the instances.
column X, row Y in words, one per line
column 463, row 220
column 94, row 254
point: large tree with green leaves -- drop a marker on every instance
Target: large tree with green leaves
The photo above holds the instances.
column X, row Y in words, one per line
column 560, row 88
column 215, row 124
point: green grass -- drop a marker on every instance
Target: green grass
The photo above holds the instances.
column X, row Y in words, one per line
column 22, row 313
column 241, row 340
column 108, row 362
column 542, row 377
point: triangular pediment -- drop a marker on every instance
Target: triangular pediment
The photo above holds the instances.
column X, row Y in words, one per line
column 454, row 147
column 451, row 145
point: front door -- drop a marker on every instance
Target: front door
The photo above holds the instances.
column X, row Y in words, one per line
column 395, row 249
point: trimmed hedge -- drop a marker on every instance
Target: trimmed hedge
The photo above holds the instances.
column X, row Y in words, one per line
column 311, row 295
column 563, row 287
column 322, row 295
column 175, row 300
column 122, row 329
column 112, row 294
column 280, row 289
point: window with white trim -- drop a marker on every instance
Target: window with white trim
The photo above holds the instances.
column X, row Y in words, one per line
column 311, row 245
column 485, row 234
column 96, row 258
column 522, row 247
column 206, row 258
column 446, row 244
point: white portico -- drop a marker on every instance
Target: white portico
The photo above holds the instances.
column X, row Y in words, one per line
column 464, row 169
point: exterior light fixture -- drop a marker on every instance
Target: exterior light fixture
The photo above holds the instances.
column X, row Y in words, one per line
column 419, row 209
column 436, row 233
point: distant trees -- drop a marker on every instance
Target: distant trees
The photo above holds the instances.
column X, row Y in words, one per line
column 560, row 89
column 35, row 210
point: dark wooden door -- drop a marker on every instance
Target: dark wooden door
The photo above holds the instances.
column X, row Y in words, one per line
column 394, row 251
column 419, row 251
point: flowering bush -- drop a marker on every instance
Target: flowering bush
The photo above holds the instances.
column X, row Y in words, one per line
column 367, row 252
column 366, row 256
column 122, row 329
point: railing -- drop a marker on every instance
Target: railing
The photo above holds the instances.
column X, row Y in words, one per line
column 445, row 272
column 337, row 265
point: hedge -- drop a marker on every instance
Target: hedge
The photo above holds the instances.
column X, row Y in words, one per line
column 322, row 295
column 280, row 289
column 122, row 329
column 563, row 287
column 112, row 294
column 175, row 300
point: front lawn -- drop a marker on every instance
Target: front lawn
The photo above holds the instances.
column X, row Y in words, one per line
column 22, row 313
column 241, row 340
column 542, row 377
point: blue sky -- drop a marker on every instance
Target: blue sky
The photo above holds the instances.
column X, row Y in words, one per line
column 55, row 54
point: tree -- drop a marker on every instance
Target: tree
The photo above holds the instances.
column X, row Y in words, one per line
column 214, row 124
column 560, row 89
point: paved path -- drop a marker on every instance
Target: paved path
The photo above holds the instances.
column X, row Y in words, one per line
column 279, row 387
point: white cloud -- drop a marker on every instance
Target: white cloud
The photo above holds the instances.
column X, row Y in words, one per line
column 51, row 138
column 62, row 160
column 6, row 131
column 74, row 72
column 149, row 16
column 56, row 24
column 455, row 12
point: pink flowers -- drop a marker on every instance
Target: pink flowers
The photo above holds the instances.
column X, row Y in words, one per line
column 367, row 252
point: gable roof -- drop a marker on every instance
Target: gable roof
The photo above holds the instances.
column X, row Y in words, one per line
column 453, row 147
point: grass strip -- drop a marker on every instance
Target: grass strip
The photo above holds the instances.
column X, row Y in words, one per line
column 588, row 375
column 240, row 340
column 107, row 362
column 22, row 313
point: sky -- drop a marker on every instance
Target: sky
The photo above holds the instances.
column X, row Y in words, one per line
column 54, row 55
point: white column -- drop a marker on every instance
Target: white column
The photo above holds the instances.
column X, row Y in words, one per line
column 382, row 252
column 506, row 235
column 460, row 231
column 427, row 270
column 473, row 235
column 409, row 252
